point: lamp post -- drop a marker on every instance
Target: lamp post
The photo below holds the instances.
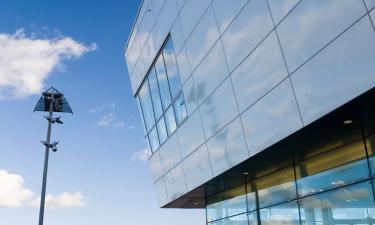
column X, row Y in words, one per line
column 51, row 101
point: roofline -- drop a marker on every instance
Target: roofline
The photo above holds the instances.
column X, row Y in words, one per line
column 135, row 21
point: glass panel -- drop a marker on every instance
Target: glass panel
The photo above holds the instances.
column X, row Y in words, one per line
column 234, row 220
column 170, row 121
column 197, row 168
column 286, row 214
column 247, row 30
column 280, row 8
column 228, row 203
column 154, row 88
column 336, row 168
column 191, row 13
column 166, row 18
column 370, row 145
column 211, row 72
column 259, row 72
column 190, row 95
column 219, row 109
column 370, row 4
column 228, row 147
column 180, row 108
column 272, row 118
column 276, row 187
column 169, row 154
column 141, row 114
column 177, row 36
column 329, row 17
column 155, row 166
column 161, row 192
column 203, row 38
column 190, row 135
column 146, row 103
column 348, row 60
column 348, row 205
column 162, row 130
column 154, row 140
column 253, row 218
column 175, row 182
column 183, row 65
column 225, row 11
column 163, row 82
column 172, row 71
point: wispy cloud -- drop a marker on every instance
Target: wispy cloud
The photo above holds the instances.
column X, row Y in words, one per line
column 13, row 194
column 103, row 107
column 141, row 156
column 108, row 116
column 26, row 62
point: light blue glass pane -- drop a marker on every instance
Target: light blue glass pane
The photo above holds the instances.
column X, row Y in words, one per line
column 156, row 6
column 251, row 198
column 177, row 36
column 162, row 131
column 219, row 109
column 235, row 220
column 342, row 71
column 203, row 38
column 141, row 114
column 166, row 18
column 350, row 204
column 191, row 13
column 183, row 65
column 150, row 49
column 155, row 166
column 163, row 82
column 190, row 95
column 225, row 11
column 161, row 192
column 190, row 135
column 370, row 4
column 253, row 218
column 228, row 147
column 197, row 168
column 154, row 88
column 154, row 140
column 247, row 30
column 180, row 109
column 280, row 8
column 286, row 213
column 145, row 25
column 259, row 72
column 231, row 202
column 169, row 154
column 175, row 182
column 170, row 120
column 271, row 119
column 146, row 103
column 211, row 72
column 328, row 17
column 172, row 70
column 138, row 74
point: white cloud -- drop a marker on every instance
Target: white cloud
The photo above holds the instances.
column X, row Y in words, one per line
column 110, row 120
column 103, row 107
column 25, row 62
column 13, row 194
column 141, row 156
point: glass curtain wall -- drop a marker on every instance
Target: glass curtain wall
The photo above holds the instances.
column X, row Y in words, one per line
column 332, row 187
column 160, row 98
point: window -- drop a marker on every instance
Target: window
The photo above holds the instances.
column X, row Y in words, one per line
column 161, row 102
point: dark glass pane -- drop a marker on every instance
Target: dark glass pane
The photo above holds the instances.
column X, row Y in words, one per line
column 286, row 214
column 140, row 112
column 162, row 130
column 228, row 203
column 370, row 144
column 172, row 70
column 154, row 140
column 154, row 88
column 332, row 169
column 163, row 82
column 180, row 109
column 146, row 103
column 353, row 204
column 170, row 120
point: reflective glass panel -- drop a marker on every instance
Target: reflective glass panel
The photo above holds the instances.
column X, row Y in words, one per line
column 190, row 95
column 342, row 166
column 170, row 121
column 163, row 135
column 183, row 65
column 146, row 103
column 228, row 203
column 280, row 8
column 154, row 140
column 175, row 182
column 161, row 192
column 286, row 214
column 276, row 187
column 234, row 220
column 171, row 66
column 155, row 166
column 225, row 11
column 141, row 114
column 180, row 109
column 169, row 154
column 154, row 88
column 370, row 144
column 348, row 205
column 163, row 82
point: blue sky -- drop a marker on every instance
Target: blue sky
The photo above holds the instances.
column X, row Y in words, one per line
column 97, row 176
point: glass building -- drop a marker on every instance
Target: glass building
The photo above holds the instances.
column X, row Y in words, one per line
column 259, row 111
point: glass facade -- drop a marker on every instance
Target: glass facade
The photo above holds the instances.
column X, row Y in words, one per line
column 219, row 83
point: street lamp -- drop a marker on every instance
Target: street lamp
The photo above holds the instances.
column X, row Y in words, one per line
column 51, row 101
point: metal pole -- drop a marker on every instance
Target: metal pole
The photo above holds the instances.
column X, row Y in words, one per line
column 43, row 196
